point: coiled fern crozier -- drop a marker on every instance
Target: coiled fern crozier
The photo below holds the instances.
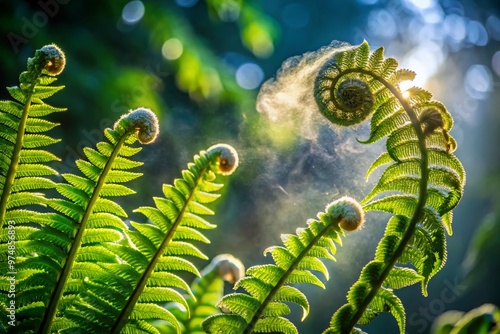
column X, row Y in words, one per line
column 207, row 290
column 422, row 183
column 22, row 162
column 23, row 171
column 262, row 310
column 121, row 295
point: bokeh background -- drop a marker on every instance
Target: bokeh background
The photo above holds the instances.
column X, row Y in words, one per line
column 199, row 65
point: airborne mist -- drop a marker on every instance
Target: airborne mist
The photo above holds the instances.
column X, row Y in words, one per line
column 288, row 99
column 297, row 163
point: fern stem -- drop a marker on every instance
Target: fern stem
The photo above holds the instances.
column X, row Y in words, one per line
column 68, row 265
column 288, row 272
column 417, row 215
column 121, row 320
column 14, row 162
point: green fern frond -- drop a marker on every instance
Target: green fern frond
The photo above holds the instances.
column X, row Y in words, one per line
column 262, row 310
column 23, row 173
column 86, row 222
column 21, row 131
column 207, row 290
column 422, row 181
column 143, row 277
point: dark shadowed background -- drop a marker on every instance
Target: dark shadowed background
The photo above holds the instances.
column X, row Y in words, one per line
column 199, row 65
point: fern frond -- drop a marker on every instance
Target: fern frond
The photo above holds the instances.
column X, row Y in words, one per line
column 158, row 247
column 21, row 131
column 207, row 290
column 23, row 173
column 262, row 310
column 87, row 221
column 422, row 181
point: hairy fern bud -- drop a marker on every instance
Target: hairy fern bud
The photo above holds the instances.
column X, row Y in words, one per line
column 227, row 158
column 346, row 103
column 141, row 121
column 54, row 59
column 349, row 211
column 229, row 268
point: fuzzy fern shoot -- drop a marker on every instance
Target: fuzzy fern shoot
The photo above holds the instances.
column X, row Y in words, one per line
column 91, row 217
column 269, row 286
column 124, row 296
column 207, row 290
column 420, row 186
column 24, row 177
column 22, row 168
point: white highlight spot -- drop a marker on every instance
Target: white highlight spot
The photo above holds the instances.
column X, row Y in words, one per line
column 249, row 76
column 478, row 82
column 495, row 62
column 133, row 12
column 172, row 49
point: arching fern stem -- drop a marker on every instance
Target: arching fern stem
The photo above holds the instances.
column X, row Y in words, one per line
column 422, row 191
column 121, row 320
column 288, row 272
column 11, row 173
column 58, row 291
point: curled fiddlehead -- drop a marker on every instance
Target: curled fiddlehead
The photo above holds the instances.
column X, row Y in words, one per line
column 268, row 287
column 88, row 220
column 124, row 297
column 21, row 135
column 207, row 290
column 23, row 179
column 348, row 104
column 422, row 184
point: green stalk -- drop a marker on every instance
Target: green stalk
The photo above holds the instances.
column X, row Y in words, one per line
column 14, row 162
column 417, row 215
column 285, row 276
column 121, row 320
column 68, row 265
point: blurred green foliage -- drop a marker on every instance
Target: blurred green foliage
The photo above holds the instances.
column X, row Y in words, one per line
column 482, row 320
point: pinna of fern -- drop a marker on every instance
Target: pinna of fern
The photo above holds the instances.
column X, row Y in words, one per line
column 207, row 289
column 422, row 183
column 262, row 310
column 125, row 297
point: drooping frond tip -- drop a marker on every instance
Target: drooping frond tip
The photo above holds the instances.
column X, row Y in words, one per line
column 51, row 59
column 229, row 268
column 227, row 161
column 141, row 121
column 350, row 212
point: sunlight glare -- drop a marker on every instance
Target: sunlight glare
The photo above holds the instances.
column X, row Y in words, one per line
column 172, row 49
